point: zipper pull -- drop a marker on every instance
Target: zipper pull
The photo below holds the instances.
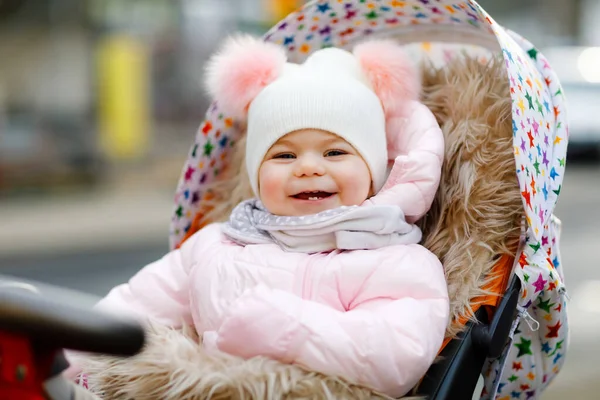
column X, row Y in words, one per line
column 563, row 291
column 531, row 322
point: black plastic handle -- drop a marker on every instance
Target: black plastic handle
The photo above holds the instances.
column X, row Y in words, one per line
column 492, row 338
column 60, row 325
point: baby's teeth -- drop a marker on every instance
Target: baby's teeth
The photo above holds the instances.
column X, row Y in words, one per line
column 313, row 198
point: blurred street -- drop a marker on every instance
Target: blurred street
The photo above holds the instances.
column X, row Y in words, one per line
column 135, row 233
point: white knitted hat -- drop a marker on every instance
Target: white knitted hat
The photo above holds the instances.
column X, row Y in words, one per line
column 347, row 94
column 327, row 92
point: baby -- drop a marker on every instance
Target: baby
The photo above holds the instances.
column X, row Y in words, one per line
column 323, row 268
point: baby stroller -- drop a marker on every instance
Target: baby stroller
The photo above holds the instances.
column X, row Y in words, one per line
column 501, row 109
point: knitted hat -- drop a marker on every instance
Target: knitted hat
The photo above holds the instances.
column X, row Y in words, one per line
column 333, row 90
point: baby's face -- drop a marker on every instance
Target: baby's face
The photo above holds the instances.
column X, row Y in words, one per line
column 309, row 171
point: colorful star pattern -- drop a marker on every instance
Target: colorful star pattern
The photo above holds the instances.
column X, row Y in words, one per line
column 540, row 148
column 540, row 137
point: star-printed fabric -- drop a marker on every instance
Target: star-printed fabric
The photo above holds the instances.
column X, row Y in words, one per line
column 540, row 135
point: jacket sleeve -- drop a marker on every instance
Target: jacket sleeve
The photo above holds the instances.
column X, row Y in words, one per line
column 416, row 144
column 158, row 292
column 386, row 340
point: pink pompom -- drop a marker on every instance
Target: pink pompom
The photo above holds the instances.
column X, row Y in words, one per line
column 393, row 76
column 237, row 73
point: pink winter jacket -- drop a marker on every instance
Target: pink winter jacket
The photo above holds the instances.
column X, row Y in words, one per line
column 374, row 317
column 416, row 149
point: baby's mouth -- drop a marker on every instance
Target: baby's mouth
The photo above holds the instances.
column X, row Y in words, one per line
column 313, row 196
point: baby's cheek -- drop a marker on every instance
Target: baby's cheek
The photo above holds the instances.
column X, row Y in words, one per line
column 357, row 187
column 270, row 186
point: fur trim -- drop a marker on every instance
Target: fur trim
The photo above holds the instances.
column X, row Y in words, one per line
column 174, row 367
column 477, row 212
column 237, row 73
column 475, row 218
column 392, row 74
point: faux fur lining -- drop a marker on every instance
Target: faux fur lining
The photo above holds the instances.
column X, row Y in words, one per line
column 477, row 213
column 174, row 367
column 475, row 219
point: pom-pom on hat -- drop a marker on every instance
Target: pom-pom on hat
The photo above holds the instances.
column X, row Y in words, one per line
column 347, row 94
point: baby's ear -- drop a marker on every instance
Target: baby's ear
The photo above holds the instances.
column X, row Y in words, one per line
column 240, row 69
column 392, row 74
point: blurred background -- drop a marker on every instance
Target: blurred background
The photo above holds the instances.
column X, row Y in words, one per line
column 100, row 100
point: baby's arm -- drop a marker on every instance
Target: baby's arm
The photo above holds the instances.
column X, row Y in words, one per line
column 160, row 291
column 417, row 149
column 386, row 340
column 157, row 292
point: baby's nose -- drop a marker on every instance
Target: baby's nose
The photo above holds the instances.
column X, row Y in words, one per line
column 308, row 165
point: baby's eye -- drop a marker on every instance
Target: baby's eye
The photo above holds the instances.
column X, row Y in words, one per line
column 333, row 153
column 284, row 156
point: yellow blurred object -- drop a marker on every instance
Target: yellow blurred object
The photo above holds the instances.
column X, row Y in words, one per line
column 124, row 97
column 279, row 9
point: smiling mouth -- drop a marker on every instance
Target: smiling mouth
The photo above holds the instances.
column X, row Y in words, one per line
column 313, row 196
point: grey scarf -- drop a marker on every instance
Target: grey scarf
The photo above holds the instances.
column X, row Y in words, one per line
column 343, row 228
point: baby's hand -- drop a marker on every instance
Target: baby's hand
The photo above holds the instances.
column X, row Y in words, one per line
column 262, row 322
